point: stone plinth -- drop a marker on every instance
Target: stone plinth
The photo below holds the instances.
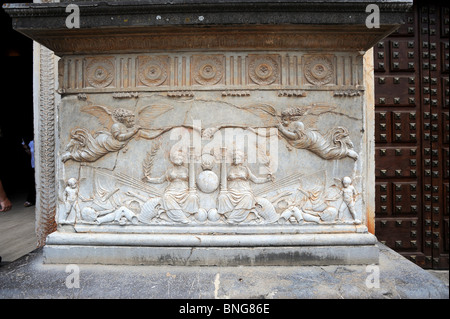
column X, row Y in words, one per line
column 196, row 133
column 212, row 250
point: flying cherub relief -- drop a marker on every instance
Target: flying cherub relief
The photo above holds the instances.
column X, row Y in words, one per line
column 297, row 126
column 121, row 126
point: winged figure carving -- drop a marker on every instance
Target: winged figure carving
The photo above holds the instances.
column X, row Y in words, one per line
column 119, row 127
column 298, row 127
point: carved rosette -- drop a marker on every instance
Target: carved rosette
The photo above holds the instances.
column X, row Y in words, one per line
column 264, row 69
column 100, row 72
column 208, row 69
column 319, row 70
column 152, row 70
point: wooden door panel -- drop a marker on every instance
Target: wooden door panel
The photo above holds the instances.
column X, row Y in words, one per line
column 412, row 137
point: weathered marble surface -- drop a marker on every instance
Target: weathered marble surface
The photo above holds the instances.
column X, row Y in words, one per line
column 243, row 147
column 253, row 119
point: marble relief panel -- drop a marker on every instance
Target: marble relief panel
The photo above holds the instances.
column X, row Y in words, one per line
column 211, row 139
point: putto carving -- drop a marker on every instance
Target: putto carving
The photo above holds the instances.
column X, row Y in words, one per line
column 264, row 69
column 319, row 69
column 100, row 72
column 152, row 70
column 207, row 69
column 70, row 198
column 349, row 196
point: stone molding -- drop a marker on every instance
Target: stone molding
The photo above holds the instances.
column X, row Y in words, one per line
column 129, row 26
column 46, row 143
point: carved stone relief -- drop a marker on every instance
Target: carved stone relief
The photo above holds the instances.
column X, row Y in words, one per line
column 153, row 70
column 100, row 72
column 335, row 144
column 319, row 69
column 121, row 127
column 46, row 201
column 207, row 69
column 144, row 161
column 264, row 69
column 293, row 72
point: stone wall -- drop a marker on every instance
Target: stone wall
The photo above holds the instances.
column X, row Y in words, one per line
column 251, row 141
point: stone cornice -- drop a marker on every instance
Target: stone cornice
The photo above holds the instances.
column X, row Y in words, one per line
column 126, row 26
column 291, row 9
column 216, row 38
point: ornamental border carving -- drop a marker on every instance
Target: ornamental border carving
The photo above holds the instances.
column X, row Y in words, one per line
column 264, row 69
column 319, row 69
column 208, row 69
column 100, row 71
column 242, row 70
column 153, row 70
column 45, row 148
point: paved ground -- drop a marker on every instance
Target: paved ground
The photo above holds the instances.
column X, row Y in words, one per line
column 17, row 233
column 394, row 278
column 23, row 275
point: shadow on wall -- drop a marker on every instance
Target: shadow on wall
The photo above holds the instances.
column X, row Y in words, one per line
column 16, row 106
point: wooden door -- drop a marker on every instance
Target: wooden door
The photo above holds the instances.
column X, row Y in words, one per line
column 412, row 137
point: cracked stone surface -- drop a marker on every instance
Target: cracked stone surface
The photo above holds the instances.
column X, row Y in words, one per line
column 29, row 278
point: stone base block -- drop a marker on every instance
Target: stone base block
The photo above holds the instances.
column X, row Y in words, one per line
column 212, row 250
column 211, row 256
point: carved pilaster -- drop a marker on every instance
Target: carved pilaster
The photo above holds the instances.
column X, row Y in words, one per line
column 45, row 142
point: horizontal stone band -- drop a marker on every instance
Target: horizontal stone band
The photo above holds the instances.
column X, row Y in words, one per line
column 188, row 240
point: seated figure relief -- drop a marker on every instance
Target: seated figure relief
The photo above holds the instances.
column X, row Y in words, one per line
column 236, row 201
column 179, row 201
